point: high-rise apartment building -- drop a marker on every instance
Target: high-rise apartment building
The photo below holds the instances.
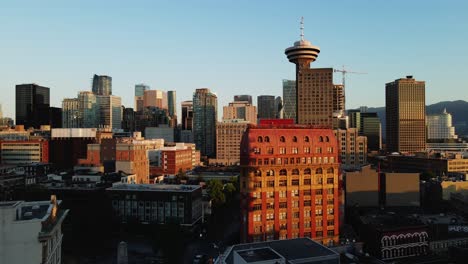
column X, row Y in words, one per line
column 139, row 93
column 243, row 98
column 405, row 109
column 240, row 110
column 187, row 115
column 102, row 85
column 439, row 127
column 128, row 119
column 31, row 100
column 279, row 107
column 289, row 99
column 289, row 184
column 110, row 111
column 266, row 107
column 314, row 87
column 338, row 99
column 205, row 105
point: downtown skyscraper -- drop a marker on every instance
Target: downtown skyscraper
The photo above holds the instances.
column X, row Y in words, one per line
column 405, row 109
column 314, row 87
column 102, row 85
column 289, row 99
column 32, row 101
column 205, row 106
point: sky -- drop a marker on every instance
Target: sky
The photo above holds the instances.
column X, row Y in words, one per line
column 232, row 46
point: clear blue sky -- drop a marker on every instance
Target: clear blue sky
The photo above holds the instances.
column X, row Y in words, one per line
column 231, row 47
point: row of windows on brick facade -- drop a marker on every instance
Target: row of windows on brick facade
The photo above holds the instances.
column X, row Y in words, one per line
column 294, row 150
column 266, row 139
column 284, row 172
column 295, row 204
column 259, row 230
column 283, row 216
column 271, row 236
column 294, row 193
column 288, row 161
column 284, row 183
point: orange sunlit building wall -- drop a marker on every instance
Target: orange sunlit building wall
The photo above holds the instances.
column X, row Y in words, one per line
column 289, row 183
column 133, row 159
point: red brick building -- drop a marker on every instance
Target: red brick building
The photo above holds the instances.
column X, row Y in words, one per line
column 289, row 183
column 172, row 160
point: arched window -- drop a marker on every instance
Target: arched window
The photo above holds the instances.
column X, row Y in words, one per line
column 306, row 139
column 257, row 173
column 270, row 173
column 267, row 139
column 294, row 139
column 318, row 171
column 282, row 139
column 295, row 172
column 283, row 172
column 307, row 171
column 320, row 139
column 327, row 139
column 259, row 139
column 330, row 170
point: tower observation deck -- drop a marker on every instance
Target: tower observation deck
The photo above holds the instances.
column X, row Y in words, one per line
column 303, row 52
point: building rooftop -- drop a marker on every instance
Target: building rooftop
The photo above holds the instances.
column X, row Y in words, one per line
column 153, row 187
column 299, row 250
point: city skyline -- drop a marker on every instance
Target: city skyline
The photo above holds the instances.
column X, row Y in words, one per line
column 63, row 59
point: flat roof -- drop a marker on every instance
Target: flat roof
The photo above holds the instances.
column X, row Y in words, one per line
column 258, row 254
column 154, row 187
column 301, row 250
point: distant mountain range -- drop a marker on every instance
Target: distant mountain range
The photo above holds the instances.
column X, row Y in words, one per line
column 458, row 109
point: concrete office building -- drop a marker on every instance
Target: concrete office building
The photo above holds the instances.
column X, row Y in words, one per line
column 314, row 87
column 405, row 109
column 24, row 152
column 352, row 148
column 31, row 232
column 31, row 99
column 243, row 98
column 157, row 203
column 299, row 250
column 289, row 183
column 266, row 107
column 102, row 85
column 205, row 106
column 163, row 131
column 139, row 96
column 289, row 99
column 440, row 128
column 154, row 98
column 240, row 110
column 228, row 139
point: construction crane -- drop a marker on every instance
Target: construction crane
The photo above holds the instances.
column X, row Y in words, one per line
column 344, row 72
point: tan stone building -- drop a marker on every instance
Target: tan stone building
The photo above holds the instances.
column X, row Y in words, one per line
column 352, row 147
column 228, row 139
column 240, row 110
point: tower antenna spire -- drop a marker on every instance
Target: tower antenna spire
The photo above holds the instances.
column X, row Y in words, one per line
column 302, row 28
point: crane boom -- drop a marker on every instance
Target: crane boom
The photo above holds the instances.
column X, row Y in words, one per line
column 344, row 72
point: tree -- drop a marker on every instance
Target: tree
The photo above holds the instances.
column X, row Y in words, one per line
column 229, row 189
column 215, row 191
